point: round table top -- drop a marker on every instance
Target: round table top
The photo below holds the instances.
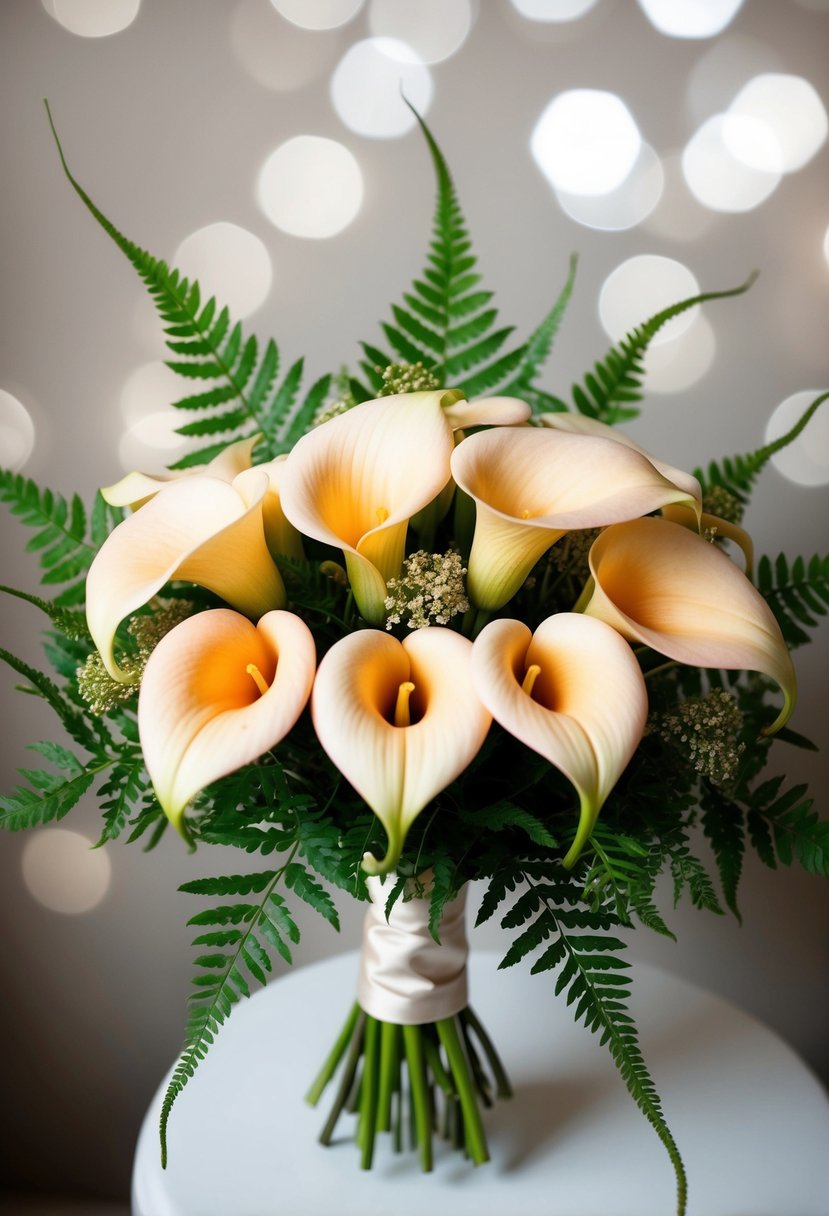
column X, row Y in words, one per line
column 751, row 1121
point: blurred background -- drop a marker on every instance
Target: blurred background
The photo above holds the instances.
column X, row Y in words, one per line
column 262, row 146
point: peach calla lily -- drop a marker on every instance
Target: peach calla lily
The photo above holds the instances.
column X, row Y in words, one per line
column 200, row 529
column 487, row 411
column 400, row 720
column 356, row 481
column 216, row 693
column 137, row 488
column 660, row 584
column 570, row 691
column 530, row 486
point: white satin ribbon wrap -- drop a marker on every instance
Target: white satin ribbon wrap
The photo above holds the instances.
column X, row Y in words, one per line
column 405, row 976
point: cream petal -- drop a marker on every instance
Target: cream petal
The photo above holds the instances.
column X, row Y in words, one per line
column 588, row 705
column 660, row 584
column 581, row 424
column 488, row 411
column 136, row 488
column 201, row 530
column 280, row 534
column 355, row 481
column 398, row 769
column 200, row 713
column 531, row 486
column 715, row 526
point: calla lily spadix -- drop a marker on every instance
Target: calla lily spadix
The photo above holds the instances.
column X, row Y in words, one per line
column 530, row 486
column 355, row 482
column 136, row 488
column 201, row 530
column 400, row 720
column 217, row 693
column 570, row 691
column 660, row 584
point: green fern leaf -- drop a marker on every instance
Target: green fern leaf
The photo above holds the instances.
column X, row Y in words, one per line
column 73, row 721
column 48, row 796
column 125, row 786
column 723, row 822
column 71, row 624
column 618, row 377
column 303, row 884
column 737, row 474
column 797, row 595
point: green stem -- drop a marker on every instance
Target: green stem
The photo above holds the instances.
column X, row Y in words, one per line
column 332, row 1063
column 368, row 1099
column 389, row 1072
column 347, row 1081
column 503, row 1089
column 452, row 1045
column 420, row 1099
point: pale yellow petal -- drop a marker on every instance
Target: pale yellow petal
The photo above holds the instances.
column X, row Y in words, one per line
column 199, row 530
column 545, row 483
column 585, row 711
column 660, row 584
column 137, row 488
column 201, row 714
column 355, row 481
column 281, row 536
column 713, row 526
column 398, row 769
column 488, row 411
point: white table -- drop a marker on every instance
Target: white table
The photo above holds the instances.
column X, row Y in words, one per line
column 751, row 1121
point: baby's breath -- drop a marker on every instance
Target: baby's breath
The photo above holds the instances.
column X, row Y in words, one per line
column 705, row 730
column 97, row 687
column 406, row 378
column 430, row 590
column 719, row 501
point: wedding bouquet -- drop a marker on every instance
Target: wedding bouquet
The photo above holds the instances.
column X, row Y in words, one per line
column 416, row 626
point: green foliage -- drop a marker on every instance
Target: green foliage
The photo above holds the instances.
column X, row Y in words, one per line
column 48, row 796
column 66, row 538
column 239, row 939
column 616, row 381
column 796, row 592
column 125, row 787
column 84, row 732
column 244, row 397
column 595, row 979
column 737, row 474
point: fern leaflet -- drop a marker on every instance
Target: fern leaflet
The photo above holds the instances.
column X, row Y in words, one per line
column 797, row 594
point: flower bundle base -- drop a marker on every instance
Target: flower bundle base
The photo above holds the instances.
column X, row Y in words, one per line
column 411, row 1049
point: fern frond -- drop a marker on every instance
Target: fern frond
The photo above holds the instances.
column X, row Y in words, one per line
column 66, row 538
column 737, row 474
column 798, row 594
column 225, row 976
column 609, row 391
column 537, row 349
column 48, row 796
column 243, row 401
column 70, row 623
column 723, row 823
column 303, row 884
column 783, row 826
column 125, row 787
column 73, row 721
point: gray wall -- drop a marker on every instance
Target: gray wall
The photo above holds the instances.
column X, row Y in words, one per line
column 167, row 129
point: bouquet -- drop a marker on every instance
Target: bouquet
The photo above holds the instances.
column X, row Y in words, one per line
column 417, row 625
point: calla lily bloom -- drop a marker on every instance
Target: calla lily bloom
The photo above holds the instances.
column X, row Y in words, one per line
column 137, row 488
column 530, row 486
column 487, row 411
column 660, row 584
column 570, row 691
column 355, row 482
column 201, row 530
column 400, row 720
column 216, row 693
column 280, row 534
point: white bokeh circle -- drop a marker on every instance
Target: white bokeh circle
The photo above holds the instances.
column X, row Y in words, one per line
column 586, row 141
column 229, row 263
column 434, row 29
column 626, row 206
column 792, row 115
column 318, row 14
column 690, row 18
column 93, row 18
column 277, row 54
column 715, row 176
column 63, row 872
column 806, row 459
column 642, row 286
column 370, row 82
column 553, row 10
column 17, row 432
column 311, row 187
column 674, row 366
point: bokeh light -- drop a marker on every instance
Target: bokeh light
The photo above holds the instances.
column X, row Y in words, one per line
column 278, row 55
column 311, row 187
column 318, row 14
column 626, row 206
column 370, row 82
column 678, row 216
column 149, row 441
column 644, row 285
column 789, row 111
column 63, row 872
column 715, row 176
column 805, row 460
column 721, row 71
column 93, row 18
column 826, row 245
column 586, row 142
column 674, row 366
column 434, row 29
column 690, row 18
column 17, row 432
column 553, row 10
column 229, row 263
